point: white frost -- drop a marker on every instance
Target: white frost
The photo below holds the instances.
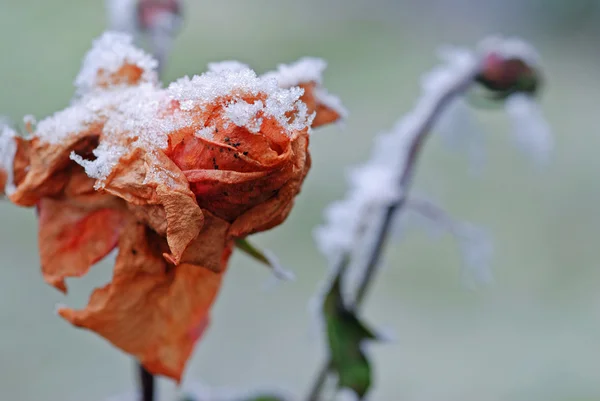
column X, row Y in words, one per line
column 531, row 132
column 305, row 70
column 474, row 242
column 331, row 101
column 207, row 88
column 351, row 225
column 245, row 114
column 109, row 53
column 206, row 133
column 459, row 130
column 8, row 149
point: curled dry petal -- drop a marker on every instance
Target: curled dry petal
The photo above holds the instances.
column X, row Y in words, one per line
column 169, row 176
column 153, row 309
column 151, row 181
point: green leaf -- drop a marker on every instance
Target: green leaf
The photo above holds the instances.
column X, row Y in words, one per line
column 345, row 334
column 264, row 257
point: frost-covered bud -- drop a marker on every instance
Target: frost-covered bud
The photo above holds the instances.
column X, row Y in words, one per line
column 159, row 21
column 165, row 14
column 155, row 22
column 504, row 76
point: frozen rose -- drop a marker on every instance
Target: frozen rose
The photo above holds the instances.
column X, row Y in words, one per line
column 169, row 176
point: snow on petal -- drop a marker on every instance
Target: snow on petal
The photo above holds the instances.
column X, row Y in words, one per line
column 307, row 69
column 110, row 54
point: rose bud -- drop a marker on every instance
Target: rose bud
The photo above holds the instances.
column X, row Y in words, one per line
column 505, row 76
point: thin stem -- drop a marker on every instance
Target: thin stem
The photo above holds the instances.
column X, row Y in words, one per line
column 146, row 384
column 422, row 130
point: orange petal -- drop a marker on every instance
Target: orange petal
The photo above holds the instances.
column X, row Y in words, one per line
column 152, row 309
column 49, row 167
column 73, row 238
column 325, row 113
column 151, row 180
column 274, row 210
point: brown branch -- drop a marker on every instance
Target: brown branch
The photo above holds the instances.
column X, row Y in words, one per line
column 146, row 384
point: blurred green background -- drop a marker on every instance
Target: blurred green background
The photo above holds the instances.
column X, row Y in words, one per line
column 531, row 335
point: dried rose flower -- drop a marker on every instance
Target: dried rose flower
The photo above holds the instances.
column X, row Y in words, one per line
column 169, row 176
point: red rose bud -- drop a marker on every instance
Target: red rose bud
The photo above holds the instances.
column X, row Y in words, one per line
column 160, row 21
column 152, row 13
column 505, row 76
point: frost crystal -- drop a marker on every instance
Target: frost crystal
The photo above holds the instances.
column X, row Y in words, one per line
column 109, row 53
column 207, row 133
column 331, row 101
column 474, row 242
column 531, row 132
column 307, row 69
column 209, row 87
column 141, row 114
column 351, row 225
column 459, row 130
column 246, row 115
column 8, row 149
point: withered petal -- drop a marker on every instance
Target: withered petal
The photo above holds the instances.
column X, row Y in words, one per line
column 72, row 238
column 49, row 165
column 152, row 309
column 324, row 113
column 150, row 180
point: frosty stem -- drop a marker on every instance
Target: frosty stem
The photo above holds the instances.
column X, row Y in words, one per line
column 434, row 108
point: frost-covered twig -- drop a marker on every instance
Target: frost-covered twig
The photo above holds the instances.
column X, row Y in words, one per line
column 474, row 243
column 379, row 189
column 413, row 131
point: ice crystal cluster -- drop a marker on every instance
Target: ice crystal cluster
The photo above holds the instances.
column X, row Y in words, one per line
column 139, row 110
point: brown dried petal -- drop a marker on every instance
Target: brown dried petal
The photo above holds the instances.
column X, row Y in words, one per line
column 150, row 180
column 72, row 238
column 325, row 114
column 152, row 309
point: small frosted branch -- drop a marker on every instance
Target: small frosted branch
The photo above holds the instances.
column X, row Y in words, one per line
column 475, row 245
column 531, row 132
column 360, row 224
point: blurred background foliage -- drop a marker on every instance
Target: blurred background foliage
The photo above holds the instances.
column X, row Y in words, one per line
column 532, row 335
